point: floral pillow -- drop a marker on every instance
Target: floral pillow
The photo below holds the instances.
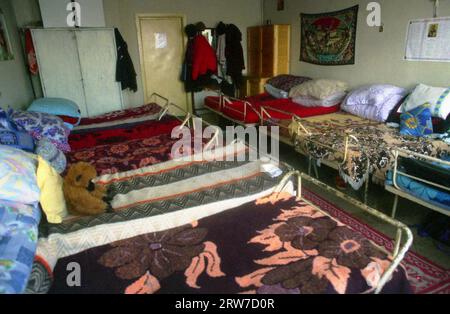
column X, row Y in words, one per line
column 18, row 182
column 417, row 122
column 43, row 125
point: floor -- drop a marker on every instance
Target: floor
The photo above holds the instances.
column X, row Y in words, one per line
column 408, row 212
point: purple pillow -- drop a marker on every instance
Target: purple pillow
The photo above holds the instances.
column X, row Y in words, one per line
column 373, row 95
column 286, row 82
column 43, row 126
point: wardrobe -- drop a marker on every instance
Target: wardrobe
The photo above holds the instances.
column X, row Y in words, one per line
column 80, row 65
column 268, row 54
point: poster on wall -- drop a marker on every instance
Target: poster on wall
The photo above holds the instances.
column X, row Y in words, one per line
column 428, row 40
column 329, row 38
column 5, row 42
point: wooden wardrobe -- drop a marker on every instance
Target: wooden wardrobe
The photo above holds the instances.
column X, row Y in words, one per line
column 268, row 55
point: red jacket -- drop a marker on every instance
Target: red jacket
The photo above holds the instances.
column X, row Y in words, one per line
column 204, row 57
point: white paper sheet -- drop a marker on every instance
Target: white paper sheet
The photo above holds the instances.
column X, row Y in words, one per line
column 428, row 40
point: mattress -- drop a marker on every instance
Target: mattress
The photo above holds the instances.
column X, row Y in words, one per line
column 273, row 106
column 264, row 254
column 376, row 142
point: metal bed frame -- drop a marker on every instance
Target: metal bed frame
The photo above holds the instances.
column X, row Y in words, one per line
column 399, row 192
column 188, row 120
column 348, row 139
column 404, row 236
column 225, row 101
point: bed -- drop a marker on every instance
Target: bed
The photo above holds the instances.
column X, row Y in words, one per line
column 356, row 147
column 255, row 109
column 172, row 202
column 264, row 254
column 421, row 179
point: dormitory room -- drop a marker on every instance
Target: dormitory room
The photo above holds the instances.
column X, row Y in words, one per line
column 211, row 147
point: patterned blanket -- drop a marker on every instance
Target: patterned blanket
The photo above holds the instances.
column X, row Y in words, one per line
column 18, row 242
column 274, row 245
column 152, row 199
column 376, row 142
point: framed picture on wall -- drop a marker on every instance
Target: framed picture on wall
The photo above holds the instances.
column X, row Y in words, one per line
column 280, row 5
column 5, row 41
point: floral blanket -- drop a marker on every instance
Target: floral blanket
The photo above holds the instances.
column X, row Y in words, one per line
column 274, row 245
column 18, row 242
column 376, row 142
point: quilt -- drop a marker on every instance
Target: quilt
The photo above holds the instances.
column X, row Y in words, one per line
column 122, row 133
column 329, row 38
column 376, row 142
column 277, row 245
column 18, row 242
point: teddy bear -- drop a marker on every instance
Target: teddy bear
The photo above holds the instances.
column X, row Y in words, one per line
column 83, row 196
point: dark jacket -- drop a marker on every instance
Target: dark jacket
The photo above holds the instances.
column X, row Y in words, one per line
column 234, row 53
column 125, row 72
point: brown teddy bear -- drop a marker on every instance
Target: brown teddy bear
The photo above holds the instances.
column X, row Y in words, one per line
column 83, row 197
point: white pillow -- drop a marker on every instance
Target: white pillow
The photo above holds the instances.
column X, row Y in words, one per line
column 276, row 92
column 437, row 97
column 319, row 89
column 331, row 101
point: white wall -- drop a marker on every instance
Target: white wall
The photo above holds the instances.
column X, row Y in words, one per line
column 122, row 14
column 379, row 56
column 54, row 13
column 15, row 86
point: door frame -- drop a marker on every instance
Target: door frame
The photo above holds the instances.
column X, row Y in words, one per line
column 143, row 16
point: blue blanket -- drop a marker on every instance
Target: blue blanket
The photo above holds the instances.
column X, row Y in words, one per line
column 421, row 190
column 18, row 242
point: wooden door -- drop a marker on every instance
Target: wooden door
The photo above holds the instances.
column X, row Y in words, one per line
column 254, row 48
column 162, row 49
column 59, row 66
column 98, row 60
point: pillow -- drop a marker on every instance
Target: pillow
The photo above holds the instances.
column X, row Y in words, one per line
column 373, row 94
column 52, row 155
column 376, row 112
column 319, row 89
column 18, row 176
column 286, row 82
column 437, row 97
column 52, row 196
column 58, row 107
column 275, row 92
column 331, row 101
column 417, row 122
column 17, row 139
column 43, row 125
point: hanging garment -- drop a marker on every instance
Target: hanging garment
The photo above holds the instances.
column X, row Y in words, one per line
column 204, row 58
column 234, row 53
column 31, row 53
column 125, row 72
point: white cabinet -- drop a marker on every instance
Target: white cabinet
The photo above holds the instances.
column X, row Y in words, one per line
column 80, row 65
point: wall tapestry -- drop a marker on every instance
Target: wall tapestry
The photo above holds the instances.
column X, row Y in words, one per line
column 329, row 38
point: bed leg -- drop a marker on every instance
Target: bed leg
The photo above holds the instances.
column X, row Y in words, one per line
column 316, row 171
column 394, row 207
column 309, row 166
column 398, row 241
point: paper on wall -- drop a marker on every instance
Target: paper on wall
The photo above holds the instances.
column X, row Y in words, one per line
column 428, row 40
